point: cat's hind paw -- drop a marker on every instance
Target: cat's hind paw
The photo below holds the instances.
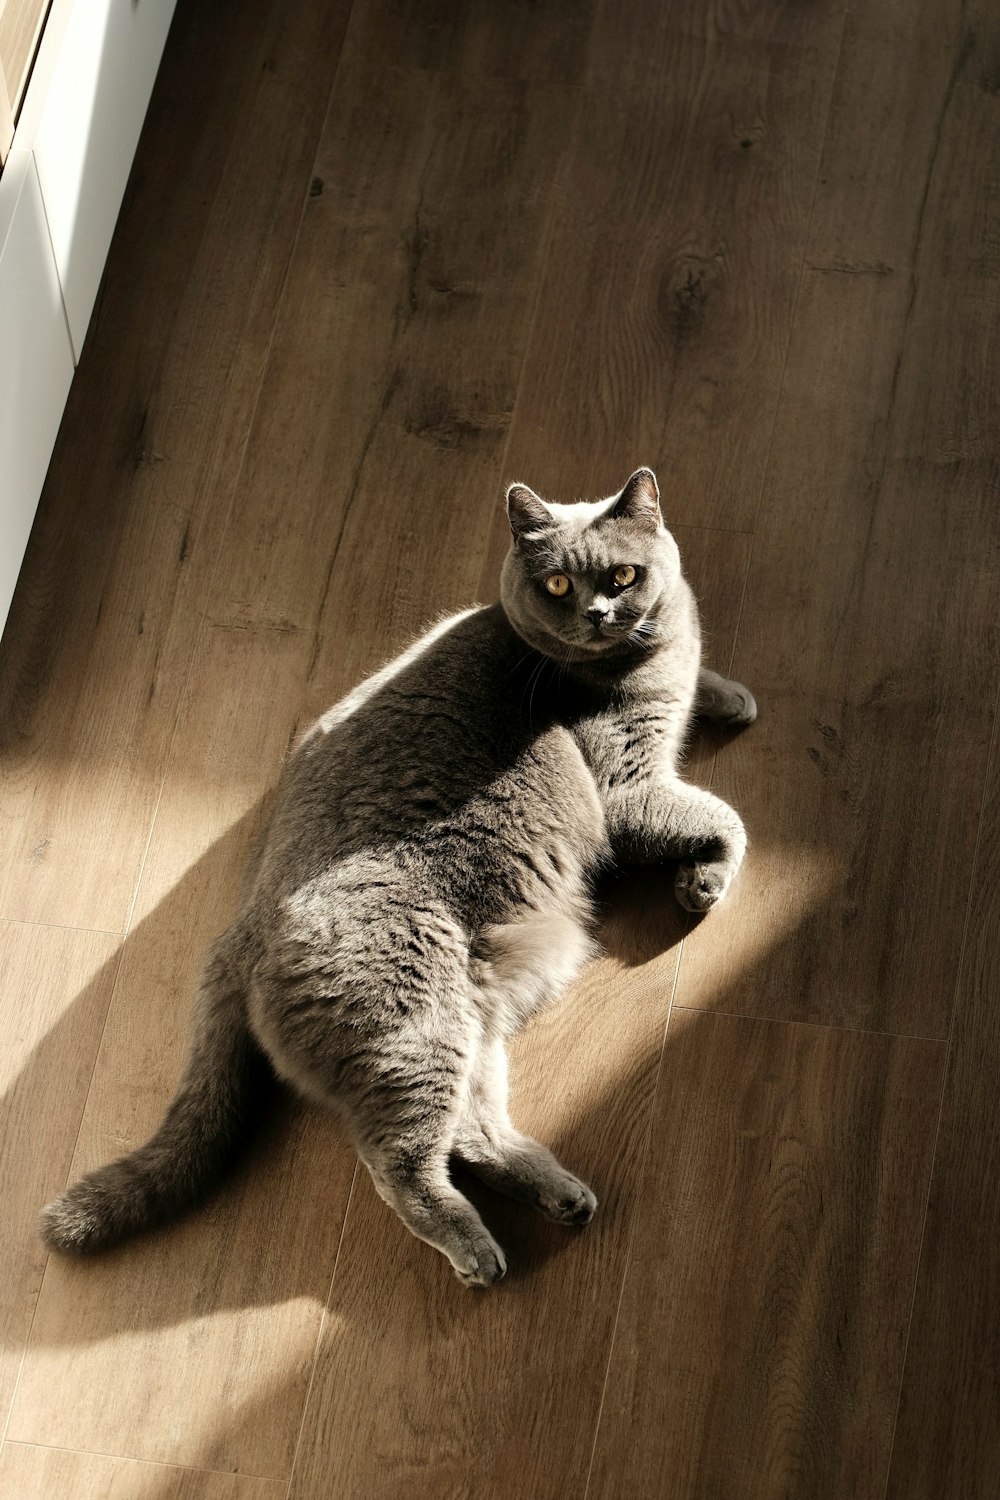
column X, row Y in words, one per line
column 484, row 1265
column 742, row 708
column 571, row 1202
column 723, row 701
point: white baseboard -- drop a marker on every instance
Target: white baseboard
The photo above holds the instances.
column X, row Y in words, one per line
column 60, row 192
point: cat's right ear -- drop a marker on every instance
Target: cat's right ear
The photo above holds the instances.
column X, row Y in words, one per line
column 526, row 511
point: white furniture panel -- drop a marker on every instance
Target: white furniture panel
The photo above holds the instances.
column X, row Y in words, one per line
column 87, row 132
column 36, row 361
column 60, row 192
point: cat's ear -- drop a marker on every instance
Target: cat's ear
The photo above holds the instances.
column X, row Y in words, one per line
column 639, row 500
column 526, row 511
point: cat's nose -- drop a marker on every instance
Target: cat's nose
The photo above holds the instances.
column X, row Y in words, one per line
column 597, row 612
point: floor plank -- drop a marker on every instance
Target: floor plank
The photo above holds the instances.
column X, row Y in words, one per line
column 869, row 631
column 126, row 539
column 715, row 565
column 948, row 1431
column 666, row 309
column 55, row 989
column 52, row 1474
column 395, row 365
column 761, row 1332
column 548, row 240
column 212, row 1317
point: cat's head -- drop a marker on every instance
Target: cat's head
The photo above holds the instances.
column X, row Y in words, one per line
column 589, row 580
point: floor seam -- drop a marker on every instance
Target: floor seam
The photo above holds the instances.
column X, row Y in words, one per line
column 742, row 1015
column 488, row 587
column 319, row 1335
column 129, row 1458
column 633, row 1227
column 806, row 241
column 956, row 1001
column 118, row 932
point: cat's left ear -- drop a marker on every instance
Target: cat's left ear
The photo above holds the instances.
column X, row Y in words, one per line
column 639, row 500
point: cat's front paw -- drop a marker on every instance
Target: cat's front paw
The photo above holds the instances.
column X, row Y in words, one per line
column 699, row 887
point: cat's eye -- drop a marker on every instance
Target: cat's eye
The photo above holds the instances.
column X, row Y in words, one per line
column 623, row 577
column 558, row 584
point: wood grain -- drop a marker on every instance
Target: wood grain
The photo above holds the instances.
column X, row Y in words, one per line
column 948, row 1430
column 375, row 259
column 667, row 303
column 870, row 629
column 214, row 1319
column 55, row 989
column 394, row 370
column 127, row 536
column 419, row 1389
column 401, row 280
column 761, row 1332
column 52, row 1474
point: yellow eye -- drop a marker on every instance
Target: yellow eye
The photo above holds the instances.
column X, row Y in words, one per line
column 558, row 584
column 624, row 576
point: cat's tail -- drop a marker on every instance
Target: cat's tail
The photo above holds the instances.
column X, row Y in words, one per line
column 200, row 1134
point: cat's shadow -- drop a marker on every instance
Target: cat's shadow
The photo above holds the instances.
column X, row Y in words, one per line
column 639, row 921
column 185, row 1270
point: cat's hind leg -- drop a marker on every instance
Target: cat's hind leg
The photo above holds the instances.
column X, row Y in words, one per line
column 377, row 1019
column 406, row 1144
column 723, row 701
column 513, row 1163
column 404, row 1094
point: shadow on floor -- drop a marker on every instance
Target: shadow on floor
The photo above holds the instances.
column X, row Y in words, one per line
column 272, row 1234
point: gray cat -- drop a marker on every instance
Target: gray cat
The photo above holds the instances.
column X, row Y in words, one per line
column 425, row 883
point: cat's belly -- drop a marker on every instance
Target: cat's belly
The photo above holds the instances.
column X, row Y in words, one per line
column 380, row 877
column 529, row 840
column 521, row 964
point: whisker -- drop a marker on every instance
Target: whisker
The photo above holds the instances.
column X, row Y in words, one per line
column 532, row 683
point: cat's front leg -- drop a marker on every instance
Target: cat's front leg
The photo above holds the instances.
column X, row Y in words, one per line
column 711, row 841
column 669, row 819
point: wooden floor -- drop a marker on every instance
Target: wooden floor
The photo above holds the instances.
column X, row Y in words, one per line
column 374, row 259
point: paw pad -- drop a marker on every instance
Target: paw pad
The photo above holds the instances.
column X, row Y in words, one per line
column 700, row 887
